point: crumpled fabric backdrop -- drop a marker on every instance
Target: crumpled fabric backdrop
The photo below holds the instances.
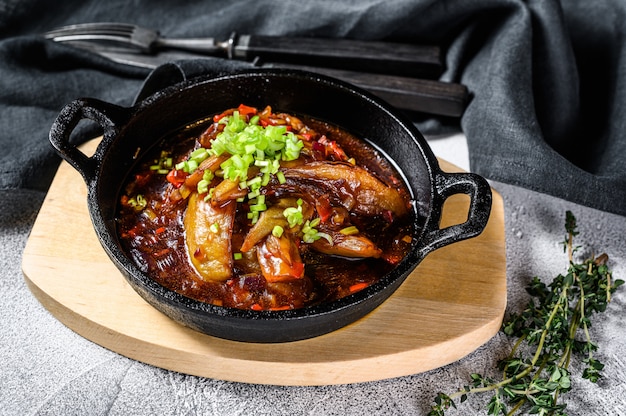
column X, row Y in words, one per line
column 547, row 78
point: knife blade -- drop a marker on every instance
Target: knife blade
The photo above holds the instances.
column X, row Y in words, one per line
column 406, row 93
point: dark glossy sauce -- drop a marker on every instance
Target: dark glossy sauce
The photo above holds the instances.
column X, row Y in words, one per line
column 154, row 234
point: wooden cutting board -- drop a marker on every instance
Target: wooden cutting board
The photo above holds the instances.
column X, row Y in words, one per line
column 449, row 306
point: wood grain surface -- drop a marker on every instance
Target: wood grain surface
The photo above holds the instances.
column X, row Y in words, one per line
column 449, row 306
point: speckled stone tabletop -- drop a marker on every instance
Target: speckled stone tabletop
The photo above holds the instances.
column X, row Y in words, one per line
column 49, row 370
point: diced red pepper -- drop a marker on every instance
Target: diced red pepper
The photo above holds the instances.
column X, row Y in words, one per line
column 245, row 110
column 218, row 117
column 176, row 177
column 337, row 151
column 297, row 268
column 358, row 286
column 323, row 208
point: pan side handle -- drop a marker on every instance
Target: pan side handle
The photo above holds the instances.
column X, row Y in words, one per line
column 109, row 116
column 448, row 184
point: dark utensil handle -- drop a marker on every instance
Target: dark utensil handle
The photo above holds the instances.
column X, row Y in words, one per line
column 108, row 116
column 423, row 61
column 420, row 95
column 448, row 184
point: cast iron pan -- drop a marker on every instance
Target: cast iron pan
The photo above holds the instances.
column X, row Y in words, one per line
column 141, row 126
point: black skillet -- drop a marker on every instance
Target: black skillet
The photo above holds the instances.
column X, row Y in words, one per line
column 141, row 126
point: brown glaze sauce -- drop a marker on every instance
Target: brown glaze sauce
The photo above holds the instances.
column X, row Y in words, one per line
column 152, row 209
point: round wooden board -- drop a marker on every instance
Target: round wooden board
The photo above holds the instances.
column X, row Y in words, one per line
column 449, row 306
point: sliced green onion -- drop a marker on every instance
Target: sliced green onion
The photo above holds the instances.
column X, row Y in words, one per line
column 237, row 256
column 253, row 216
column 277, row 231
column 163, row 165
column 292, row 147
column 138, row 202
column 208, row 175
column 258, row 207
column 325, row 236
column 192, row 165
column 250, row 148
column 247, row 144
column 209, row 195
column 252, row 144
column 351, row 230
column 294, row 216
column 254, row 181
column 199, row 154
column 214, row 228
column 310, row 234
column 203, row 186
column 188, row 166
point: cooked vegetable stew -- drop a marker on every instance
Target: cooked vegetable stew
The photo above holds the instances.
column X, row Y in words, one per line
column 263, row 210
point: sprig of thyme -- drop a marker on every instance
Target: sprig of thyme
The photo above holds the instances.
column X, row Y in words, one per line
column 556, row 324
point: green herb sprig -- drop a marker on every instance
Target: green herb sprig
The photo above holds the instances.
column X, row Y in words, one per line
column 556, row 325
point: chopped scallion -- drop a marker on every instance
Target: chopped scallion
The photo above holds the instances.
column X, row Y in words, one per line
column 203, row 186
column 208, row 175
column 293, row 215
column 253, row 216
column 351, row 230
column 310, row 234
column 277, row 231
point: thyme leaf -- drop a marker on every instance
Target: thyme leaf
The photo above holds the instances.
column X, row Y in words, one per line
column 550, row 331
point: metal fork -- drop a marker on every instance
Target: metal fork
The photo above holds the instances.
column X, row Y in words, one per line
column 143, row 39
column 391, row 58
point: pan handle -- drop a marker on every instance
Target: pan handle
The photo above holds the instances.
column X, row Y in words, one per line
column 448, row 184
column 109, row 116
